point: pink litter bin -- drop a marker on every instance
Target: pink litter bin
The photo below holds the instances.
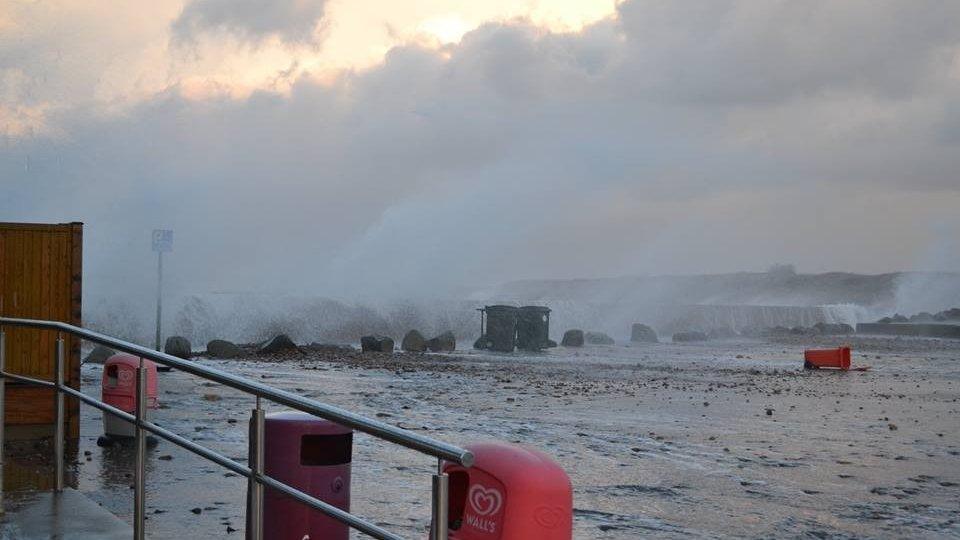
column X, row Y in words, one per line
column 119, row 388
column 312, row 455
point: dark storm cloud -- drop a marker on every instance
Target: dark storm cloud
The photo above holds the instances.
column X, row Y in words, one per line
column 291, row 20
column 675, row 137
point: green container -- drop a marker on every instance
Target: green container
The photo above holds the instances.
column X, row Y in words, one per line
column 533, row 328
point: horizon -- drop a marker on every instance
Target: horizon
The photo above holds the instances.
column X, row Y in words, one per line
column 414, row 150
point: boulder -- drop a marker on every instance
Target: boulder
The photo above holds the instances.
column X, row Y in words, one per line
column 598, row 338
column 221, row 348
column 445, row 342
column 643, row 334
column 572, row 338
column 376, row 344
column 684, row 337
column 414, row 341
column 99, row 355
column 178, row 346
column 279, row 344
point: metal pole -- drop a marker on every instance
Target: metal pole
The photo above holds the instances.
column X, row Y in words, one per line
column 159, row 297
column 3, row 406
column 441, row 500
column 139, row 475
column 254, row 487
column 59, row 433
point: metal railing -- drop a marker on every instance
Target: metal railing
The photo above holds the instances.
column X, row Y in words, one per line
column 254, row 471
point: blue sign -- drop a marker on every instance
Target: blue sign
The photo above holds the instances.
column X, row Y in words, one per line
column 162, row 240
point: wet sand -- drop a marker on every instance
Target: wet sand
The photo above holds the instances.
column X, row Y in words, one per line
column 662, row 440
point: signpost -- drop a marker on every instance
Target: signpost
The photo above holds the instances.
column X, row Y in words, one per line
column 162, row 243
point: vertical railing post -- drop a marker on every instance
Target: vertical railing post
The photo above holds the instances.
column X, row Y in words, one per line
column 441, row 500
column 254, row 487
column 139, row 475
column 3, row 406
column 59, row 434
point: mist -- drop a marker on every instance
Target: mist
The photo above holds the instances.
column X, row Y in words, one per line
column 663, row 139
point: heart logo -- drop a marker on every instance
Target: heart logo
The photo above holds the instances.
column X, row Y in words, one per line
column 485, row 502
column 548, row 517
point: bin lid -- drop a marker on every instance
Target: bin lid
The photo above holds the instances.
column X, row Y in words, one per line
column 513, row 464
column 304, row 423
column 499, row 307
column 125, row 359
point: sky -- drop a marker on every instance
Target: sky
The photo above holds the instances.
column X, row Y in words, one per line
column 371, row 148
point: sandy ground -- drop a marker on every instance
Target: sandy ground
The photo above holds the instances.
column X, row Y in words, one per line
column 724, row 439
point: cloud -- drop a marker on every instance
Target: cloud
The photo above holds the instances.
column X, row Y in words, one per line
column 671, row 138
column 251, row 20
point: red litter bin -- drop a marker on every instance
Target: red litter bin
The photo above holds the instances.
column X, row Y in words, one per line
column 119, row 388
column 510, row 493
column 312, row 455
column 838, row 358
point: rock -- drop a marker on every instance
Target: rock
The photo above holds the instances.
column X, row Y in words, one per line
column 598, row 338
column 99, row 355
column 376, row 344
column 279, row 344
column 683, row 337
column 178, row 346
column 445, row 342
column 572, row 338
column 643, row 334
column 414, row 341
column 221, row 348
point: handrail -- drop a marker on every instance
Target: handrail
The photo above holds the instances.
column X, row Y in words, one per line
column 254, row 473
column 414, row 441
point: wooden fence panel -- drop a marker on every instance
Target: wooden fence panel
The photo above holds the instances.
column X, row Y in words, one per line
column 40, row 278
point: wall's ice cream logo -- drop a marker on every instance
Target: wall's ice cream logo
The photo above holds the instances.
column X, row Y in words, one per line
column 485, row 503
